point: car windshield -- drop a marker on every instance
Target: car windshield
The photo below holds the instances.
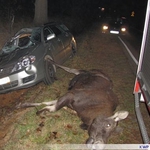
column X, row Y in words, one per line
column 22, row 39
column 118, row 21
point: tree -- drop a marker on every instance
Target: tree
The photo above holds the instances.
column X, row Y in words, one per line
column 41, row 12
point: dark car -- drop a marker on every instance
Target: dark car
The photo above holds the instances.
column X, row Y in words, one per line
column 23, row 60
column 116, row 25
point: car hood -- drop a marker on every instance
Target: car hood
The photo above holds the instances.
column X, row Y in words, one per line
column 14, row 56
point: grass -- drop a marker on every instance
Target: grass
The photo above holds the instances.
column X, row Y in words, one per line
column 35, row 130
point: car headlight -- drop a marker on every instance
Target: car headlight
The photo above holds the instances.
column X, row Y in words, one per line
column 105, row 27
column 23, row 62
column 123, row 29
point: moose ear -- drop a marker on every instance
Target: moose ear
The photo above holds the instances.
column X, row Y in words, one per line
column 120, row 115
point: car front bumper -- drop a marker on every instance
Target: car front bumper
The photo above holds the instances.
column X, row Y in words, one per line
column 22, row 79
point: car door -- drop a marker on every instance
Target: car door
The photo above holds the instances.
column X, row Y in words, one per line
column 66, row 38
column 55, row 45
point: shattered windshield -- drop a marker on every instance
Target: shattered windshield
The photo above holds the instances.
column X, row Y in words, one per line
column 22, row 39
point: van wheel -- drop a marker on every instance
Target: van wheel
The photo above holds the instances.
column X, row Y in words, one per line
column 49, row 73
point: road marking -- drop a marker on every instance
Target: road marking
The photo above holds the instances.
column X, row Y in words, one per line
column 128, row 50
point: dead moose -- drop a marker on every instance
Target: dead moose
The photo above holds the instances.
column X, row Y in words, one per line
column 90, row 94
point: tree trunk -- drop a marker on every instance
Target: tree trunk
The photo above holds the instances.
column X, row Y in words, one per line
column 41, row 12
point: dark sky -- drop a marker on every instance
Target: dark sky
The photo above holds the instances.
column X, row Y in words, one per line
column 82, row 8
column 67, row 5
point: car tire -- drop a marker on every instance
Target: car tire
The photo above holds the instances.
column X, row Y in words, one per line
column 49, row 73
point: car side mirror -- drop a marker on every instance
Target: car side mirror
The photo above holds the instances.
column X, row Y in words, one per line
column 50, row 36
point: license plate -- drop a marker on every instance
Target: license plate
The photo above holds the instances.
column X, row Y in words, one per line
column 4, row 80
column 114, row 32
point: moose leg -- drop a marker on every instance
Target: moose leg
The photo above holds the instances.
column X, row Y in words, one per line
column 65, row 100
column 70, row 70
column 25, row 105
column 51, row 106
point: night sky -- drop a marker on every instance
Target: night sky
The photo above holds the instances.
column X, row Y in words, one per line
column 87, row 9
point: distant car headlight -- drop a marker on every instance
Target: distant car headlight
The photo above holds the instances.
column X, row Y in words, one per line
column 123, row 29
column 105, row 27
column 24, row 62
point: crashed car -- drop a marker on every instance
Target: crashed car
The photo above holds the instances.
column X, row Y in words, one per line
column 114, row 25
column 23, row 60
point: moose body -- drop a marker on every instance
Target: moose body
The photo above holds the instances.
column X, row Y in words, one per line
column 91, row 95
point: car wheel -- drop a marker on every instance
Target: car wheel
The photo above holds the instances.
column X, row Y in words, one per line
column 49, row 73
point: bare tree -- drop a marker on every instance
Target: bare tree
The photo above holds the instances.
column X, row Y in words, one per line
column 41, row 12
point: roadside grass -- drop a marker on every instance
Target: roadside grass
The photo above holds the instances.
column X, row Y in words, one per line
column 55, row 128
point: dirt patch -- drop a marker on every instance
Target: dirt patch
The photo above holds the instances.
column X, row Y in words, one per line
column 9, row 115
column 95, row 50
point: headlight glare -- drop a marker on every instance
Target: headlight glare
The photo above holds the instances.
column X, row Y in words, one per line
column 123, row 29
column 105, row 27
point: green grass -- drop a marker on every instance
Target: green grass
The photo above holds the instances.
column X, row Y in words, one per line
column 54, row 128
